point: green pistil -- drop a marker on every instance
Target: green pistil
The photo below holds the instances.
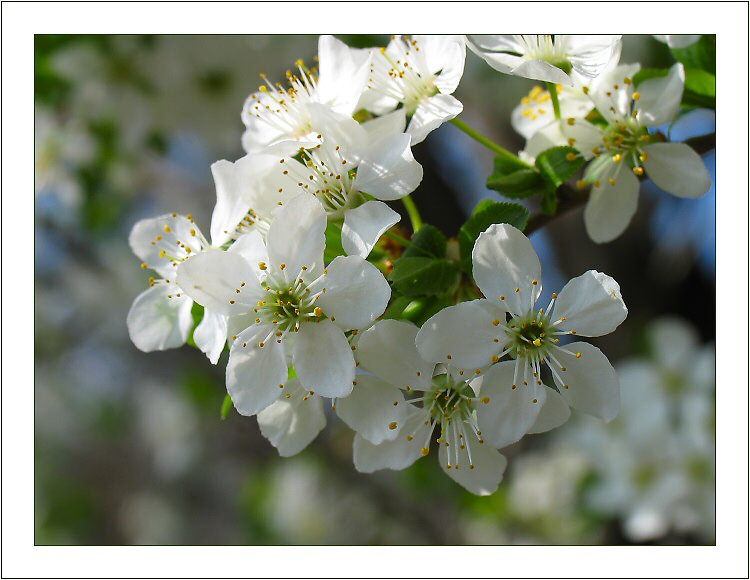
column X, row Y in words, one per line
column 533, row 335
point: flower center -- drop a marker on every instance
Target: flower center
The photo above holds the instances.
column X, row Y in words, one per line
column 288, row 304
column 531, row 335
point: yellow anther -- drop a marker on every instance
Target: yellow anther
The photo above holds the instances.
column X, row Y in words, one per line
column 581, row 184
column 262, row 266
column 636, row 96
column 478, row 371
column 163, row 254
column 425, row 451
column 571, row 156
column 644, row 157
column 638, row 171
column 502, row 297
column 535, row 401
column 537, row 342
column 495, row 358
column 495, row 322
column 617, row 158
column 597, row 183
column 485, row 400
column 612, row 181
column 282, row 266
column 167, row 229
column 578, row 355
column 144, row 265
column 585, row 90
column 318, row 311
column 392, row 425
column 571, row 121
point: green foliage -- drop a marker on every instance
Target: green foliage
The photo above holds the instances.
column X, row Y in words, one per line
column 424, row 270
column 334, row 246
column 556, row 166
column 485, row 214
column 514, row 179
column 226, row 406
column 700, row 88
column 700, row 55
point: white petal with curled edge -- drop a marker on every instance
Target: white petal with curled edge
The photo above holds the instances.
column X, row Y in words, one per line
column 388, row 350
column 504, row 260
column 291, row 424
column 553, row 413
column 661, row 97
column 542, row 71
column 466, row 332
column 592, row 383
column 254, row 373
column 506, row 414
column 157, row 322
column 343, row 74
column 611, row 207
column 230, row 206
column 589, row 54
column 432, row 113
column 374, row 409
column 211, row 335
column 388, row 169
column 398, row 453
column 339, row 131
column 446, row 55
column 297, row 236
column 364, row 225
column 356, row 292
column 166, row 233
column 489, row 466
column 213, row 278
column 677, row 169
column 323, row 359
column 677, row 40
column 591, row 304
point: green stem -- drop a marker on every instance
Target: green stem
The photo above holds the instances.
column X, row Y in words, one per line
column 552, row 88
column 400, row 239
column 226, row 406
column 484, row 141
column 411, row 208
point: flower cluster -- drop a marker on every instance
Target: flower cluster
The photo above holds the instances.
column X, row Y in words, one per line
column 292, row 280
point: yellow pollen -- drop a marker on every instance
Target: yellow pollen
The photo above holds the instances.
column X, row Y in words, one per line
column 262, row 266
column 495, row 358
column 392, row 425
column 636, row 96
column 571, row 121
column 644, row 157
column 571, row 156
column 167, row 229
column 578, row 355
column 612, row 181
column 617, row 158
column 425, row 451
column 495, row 322
column 581, row 184
column 318, row 311
column 638, row 171
column 535, row 401
column 502, row 297
column 144, row 265
column 485, row 400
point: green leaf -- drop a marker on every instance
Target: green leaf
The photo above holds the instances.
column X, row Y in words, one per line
column 428, row 242
column 487, row 213
column 505, row 164
column 421, row 276
column 700, row 55
column 559, row 164
column 518, row 185
column 700, row 82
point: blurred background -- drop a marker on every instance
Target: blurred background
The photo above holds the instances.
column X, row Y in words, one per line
column 130, row 447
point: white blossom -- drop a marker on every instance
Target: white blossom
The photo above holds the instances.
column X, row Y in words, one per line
column 507, row 322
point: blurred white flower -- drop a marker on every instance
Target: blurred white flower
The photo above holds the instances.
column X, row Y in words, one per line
column 678, row 40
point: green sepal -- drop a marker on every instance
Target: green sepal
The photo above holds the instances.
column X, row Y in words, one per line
column 422, row 276
column 556, row 168
column 334, row 247
column 486, row 213
column 513, row 178
column 226, row 406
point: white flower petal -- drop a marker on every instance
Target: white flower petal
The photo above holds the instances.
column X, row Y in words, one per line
column 509, row 412
column 297, row 236
column 255, row 373
column 504, row 260
column 445, row 55
column 157, row 322
column 211, row 335
column 388, row 350
column 431, row 114
column 591, row 304
column 212, row 279
column 385, row 125
column 611, row 207
column 388, row 169
column 661, row 97
column 678, row 40
column 230, row 207
column 252, row 248
column 323, row 359
column 343, row 74
column 489, row 467
column 166, row 233
column 677, row 169
column 589, row 54
column 398, row 453
column 465, row 332
column 553, row 413
column 339, row 130
column 356, row 292
column 374, row 409
column 592, row 383
column 542, row 71
column 290, row 424
column 364, row 225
